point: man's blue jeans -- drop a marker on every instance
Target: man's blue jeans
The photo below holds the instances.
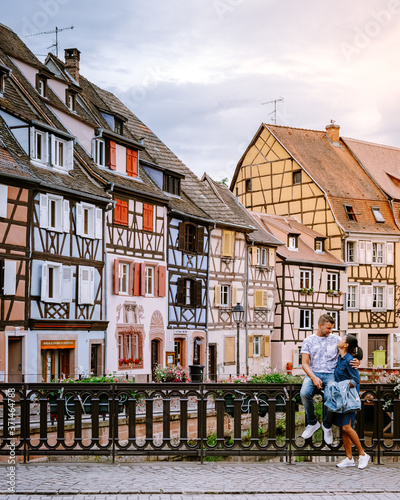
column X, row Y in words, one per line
column 308, row 390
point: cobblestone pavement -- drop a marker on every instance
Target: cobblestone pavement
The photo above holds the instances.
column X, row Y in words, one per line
column 184, row 481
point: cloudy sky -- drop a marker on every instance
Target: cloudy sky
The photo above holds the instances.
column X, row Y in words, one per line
column 197, row 72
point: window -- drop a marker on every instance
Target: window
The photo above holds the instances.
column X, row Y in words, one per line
column 99, row 152
column 378, row 296
column 70, row 98
column 227, row 243
column 377, row 253
column 377, row 214
column 41, row 85
column 305, row 319
column 305, row 279
column 191, row 238
column 229, row 350
column 3, row 200
column 256, row 346
column 189, row 292
column 131, row 163
column 335, row 317
column 292, row 241
column 351, row 251
column 8, row 277
column 350, row 213
column 58, row 153
column 149, row 281
column 171, row 184
column 262, row 257
column 333, row 281
column 263, row 299
column 121, row 212
column 54, row 213
column 123, row 278
column 297, row 177
column 118, row 126
column 40, row 146
column 352, row 297
column 248, row 186
column 148, row 217
column 56, row 283
column 225, row 295
column 89, row 220
column 86, row 285
column 130, row 348
column 319, row 245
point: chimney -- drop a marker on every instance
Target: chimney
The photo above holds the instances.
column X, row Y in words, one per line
column 332, row 131
column 72, row 57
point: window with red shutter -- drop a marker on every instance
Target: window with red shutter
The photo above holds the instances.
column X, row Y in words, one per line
column 131, row 163
column 121, row 212
column 112, row 155
column 147, row 217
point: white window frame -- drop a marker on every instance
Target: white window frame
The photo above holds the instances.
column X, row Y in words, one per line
column 380, row 301
column 256, row 346
column 99, row 152
column 353, row 298
column 3, row 200
column 149, row 281
column 305, row 322
column 319, row 245
column 225, row 295
column 94, row 220
column 335, row 315
column 378, row 253
column 305, row 275
column 123, row 273
column 332, row 281
column 262, row 257
column 61, row 212
column 61, row 283
column 188, row 292
column 293, row 242
column 86, row 285
column 354, row 243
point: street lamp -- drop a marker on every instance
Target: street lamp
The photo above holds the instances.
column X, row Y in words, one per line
column 237, row 316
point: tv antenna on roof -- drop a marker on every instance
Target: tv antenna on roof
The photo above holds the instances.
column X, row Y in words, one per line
column 56, row 31
column 274, row 111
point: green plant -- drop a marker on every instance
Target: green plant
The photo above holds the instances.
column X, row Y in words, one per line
column 171, row 373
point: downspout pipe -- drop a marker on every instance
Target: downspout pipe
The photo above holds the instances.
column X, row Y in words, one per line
column 210, row 229
column 247, row 308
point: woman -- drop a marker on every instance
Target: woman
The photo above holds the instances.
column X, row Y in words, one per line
column 348, row 348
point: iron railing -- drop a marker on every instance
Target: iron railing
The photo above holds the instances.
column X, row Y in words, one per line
column 185, row 420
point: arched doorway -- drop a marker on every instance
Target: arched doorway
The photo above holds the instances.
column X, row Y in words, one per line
column 155, row 355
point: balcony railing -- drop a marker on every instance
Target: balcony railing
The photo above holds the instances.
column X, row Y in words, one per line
column 195, row 421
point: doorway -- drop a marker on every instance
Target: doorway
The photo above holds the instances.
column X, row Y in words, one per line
column 155, row 355
column 212, row 362
column 56, row 364
column 14, row 359
column 376, row 343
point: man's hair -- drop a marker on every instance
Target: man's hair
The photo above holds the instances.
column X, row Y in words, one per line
column 326, row 318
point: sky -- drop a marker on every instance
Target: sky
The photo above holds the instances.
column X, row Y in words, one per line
column 203, row 74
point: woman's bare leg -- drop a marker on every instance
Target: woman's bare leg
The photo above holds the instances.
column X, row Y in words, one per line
column 351, row 437
column 347, row 444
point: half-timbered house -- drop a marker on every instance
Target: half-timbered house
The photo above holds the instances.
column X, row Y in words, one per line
column 242, row 270
column 313, row 176
column 64, row 220
column 310, row 282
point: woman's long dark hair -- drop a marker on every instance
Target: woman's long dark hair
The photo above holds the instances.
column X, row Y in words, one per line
column 354, row 349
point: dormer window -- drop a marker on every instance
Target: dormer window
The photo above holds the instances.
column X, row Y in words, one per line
column 172, row 184
column 51, row 150
column 99, row 153
column 297, row 177
column 70, row 99
column 293, row 241
column 319, row 245
column 351, row 215
column 118, row 126
column 377, row 214
column 41, row 85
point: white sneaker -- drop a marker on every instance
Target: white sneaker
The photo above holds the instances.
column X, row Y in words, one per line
column 346, row 462
column 363, row 461
column 328, row 436
column 309, row 430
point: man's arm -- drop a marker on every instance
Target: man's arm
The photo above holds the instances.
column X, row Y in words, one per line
column 305, row 364
column 355, row 363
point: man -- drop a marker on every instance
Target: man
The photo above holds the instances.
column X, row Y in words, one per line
column 319, row 358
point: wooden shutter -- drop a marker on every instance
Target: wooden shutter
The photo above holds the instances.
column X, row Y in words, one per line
column 296, row 278
column 181, row 237
column 137, row 279
column 121, row 212
column 363, row 297
column 368, row 252
column 66, row 286
column 251, row 346
column 32, row 144
column 258, row 298
column 69, row 155
column 296, row 357
column 131, row 162
column 112, row 155
column 44, row 285
column 66, row 218
column 390, row 298
column 271, row 257
column 198, row 293
column 79, row 219
column 253, row 256
column 343, row 282
column 147, row 217
column 98, row 233
column 265, row 298
column 324, row 281
column 3, row 200
column 317, row 314
column 85, row 296
column 343, row 320
column 361, row 248
column 200, row 239
column 227, row 240
column 142, row 279
column 217, row 295
column 267, row 346
column 9, row 277
column 296, row 318
column 369, row 296
column 234, row 296
column 229, row 349
column 43, row 211
column 116, row 276
column 389, row 253
column 270, row 299
column 162, row 281
column 180, row 291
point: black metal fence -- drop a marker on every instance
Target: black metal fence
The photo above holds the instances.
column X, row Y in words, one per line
column 196, row 421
